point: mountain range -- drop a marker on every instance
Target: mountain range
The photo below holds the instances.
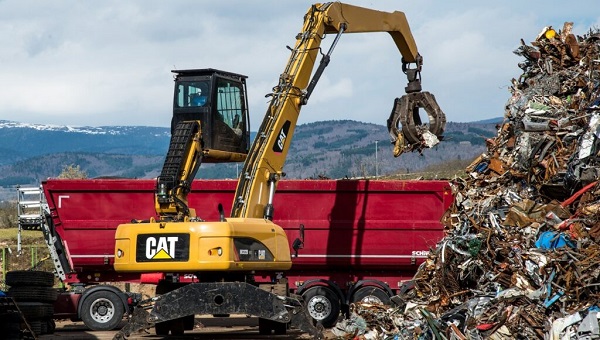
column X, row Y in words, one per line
column 332, row 149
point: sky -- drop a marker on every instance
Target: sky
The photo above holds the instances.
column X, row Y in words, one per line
column 107, row 63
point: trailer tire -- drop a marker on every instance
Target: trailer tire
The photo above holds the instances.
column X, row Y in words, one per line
column 372, row 295
column 102, row 311
column 29, row 278
column 322, row 305
column 33, row 294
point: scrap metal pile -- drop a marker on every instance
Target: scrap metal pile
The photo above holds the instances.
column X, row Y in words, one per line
column 521, row 255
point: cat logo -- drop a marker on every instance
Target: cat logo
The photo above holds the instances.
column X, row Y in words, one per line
column 282, row 137
column 163, row 247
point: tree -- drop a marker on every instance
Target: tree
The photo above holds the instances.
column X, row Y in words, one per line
column 72, row 171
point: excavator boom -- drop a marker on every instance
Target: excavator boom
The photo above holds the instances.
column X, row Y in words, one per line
column 364, row 20
column 264, row 165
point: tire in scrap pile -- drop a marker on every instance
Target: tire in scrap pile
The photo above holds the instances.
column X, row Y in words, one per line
column 34, row 295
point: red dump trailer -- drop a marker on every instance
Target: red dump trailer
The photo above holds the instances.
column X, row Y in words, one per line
column 361, row 239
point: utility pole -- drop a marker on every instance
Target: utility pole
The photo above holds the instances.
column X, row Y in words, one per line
column 376, row 169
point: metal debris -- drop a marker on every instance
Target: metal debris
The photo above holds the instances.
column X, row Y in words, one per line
column 521, row 255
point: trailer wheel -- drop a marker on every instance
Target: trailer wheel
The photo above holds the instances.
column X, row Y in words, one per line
column 323, row 305
column 29, row 278
column 372, row 295
column 102, row 311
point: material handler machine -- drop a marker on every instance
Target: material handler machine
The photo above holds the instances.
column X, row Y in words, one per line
column 211, row 124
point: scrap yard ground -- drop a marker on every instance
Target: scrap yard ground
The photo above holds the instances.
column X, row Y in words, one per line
column 235, row 327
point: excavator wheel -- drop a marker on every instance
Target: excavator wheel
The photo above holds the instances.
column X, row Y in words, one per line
column 268, row 327
column 176, row 326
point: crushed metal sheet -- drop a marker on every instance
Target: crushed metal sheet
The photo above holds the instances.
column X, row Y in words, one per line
column 521, row 255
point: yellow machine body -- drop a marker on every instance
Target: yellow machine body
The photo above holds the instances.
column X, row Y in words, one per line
column 237, row 244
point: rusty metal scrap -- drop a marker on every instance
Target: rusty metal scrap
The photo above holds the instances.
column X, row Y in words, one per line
column 521, row 255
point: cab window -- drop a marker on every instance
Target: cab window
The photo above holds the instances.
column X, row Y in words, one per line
column 190, row 94
column 229, row 103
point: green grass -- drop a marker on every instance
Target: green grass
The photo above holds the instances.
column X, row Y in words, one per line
column 34, row 253
column 8, row 237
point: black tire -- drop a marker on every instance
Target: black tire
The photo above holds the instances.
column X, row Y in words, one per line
column 51, row 326
column 323, row 305
column 189, row 322
column 10, row 325
column 33, row 294
column 44, row 327
column 36, row 326
column 102, row 311
column 269, row 327
column 372, row 295
column 29, row 278
column 177, row 326
column 162, row 328
column 36, row 310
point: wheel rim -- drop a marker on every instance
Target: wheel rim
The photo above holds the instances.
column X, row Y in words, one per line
column 102, row 310
column 319, row 307
column 371, row 299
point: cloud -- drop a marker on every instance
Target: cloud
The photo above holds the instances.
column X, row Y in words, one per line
column 109, row 62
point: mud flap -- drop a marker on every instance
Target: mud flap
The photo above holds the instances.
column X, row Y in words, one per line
column 407, row 131
column 220, row 298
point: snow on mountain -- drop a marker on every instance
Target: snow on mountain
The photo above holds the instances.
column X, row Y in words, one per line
column 91, row 130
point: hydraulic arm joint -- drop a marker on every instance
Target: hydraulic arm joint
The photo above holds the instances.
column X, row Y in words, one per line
column 413, row 75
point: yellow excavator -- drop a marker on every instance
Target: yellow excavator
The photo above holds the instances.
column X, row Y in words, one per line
column 211, row 124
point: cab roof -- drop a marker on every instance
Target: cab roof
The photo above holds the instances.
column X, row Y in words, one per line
column 207, row 72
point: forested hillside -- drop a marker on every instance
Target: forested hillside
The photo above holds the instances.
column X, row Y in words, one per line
column 333, row 149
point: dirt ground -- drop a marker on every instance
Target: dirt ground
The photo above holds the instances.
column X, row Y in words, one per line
column 235, row 327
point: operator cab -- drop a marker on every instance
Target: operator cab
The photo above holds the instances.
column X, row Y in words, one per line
column 218, row 100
